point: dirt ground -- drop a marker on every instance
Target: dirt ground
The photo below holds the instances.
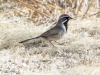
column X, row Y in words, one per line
column 78, row 53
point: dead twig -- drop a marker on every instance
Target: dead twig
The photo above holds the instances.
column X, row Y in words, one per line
column 48, row 5
column 70, row 1
column 40, row 7
column 79, row 7
column 95, row 13
column 87, row 8
column 30, row 7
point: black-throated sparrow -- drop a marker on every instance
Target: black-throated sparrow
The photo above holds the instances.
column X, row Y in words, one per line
column 56, row 32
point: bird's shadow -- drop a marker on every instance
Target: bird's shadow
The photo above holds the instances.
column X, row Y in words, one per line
column 37, row 44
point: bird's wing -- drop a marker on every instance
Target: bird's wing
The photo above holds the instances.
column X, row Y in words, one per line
column 51, row 32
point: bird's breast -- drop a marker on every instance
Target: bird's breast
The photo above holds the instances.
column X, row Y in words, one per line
column 63, row 30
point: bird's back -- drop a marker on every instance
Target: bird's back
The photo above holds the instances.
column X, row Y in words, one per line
column 54, row 33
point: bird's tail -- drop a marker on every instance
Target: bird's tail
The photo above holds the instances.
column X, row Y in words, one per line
column 29, row 39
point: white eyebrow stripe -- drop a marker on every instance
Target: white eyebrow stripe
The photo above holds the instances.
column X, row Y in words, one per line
column 64, row 21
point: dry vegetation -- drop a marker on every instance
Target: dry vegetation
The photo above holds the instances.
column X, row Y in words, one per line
column 77, row 54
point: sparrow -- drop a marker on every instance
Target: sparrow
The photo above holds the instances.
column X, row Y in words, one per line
column 55, row 33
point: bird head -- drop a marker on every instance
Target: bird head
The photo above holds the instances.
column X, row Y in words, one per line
column 65, row 18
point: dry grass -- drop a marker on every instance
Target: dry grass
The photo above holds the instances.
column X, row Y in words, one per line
column 78, row 53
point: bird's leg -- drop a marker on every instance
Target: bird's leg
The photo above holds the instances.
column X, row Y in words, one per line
column 51, row 43
column 41, row 43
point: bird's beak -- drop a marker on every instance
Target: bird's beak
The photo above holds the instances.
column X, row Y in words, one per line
column 70, row 18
